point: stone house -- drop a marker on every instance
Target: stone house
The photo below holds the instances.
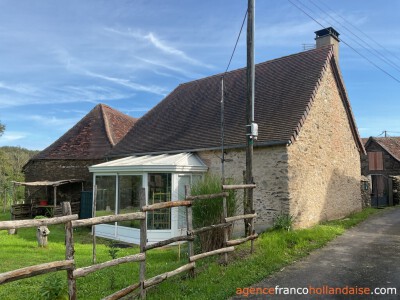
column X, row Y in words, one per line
column 307, row 157
column 69, row 157
column 382, row 165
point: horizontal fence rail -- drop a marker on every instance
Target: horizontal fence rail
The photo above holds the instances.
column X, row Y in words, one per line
column 36, row 270
column 108, row 219
column 126, row 259
column 36, row 222
column 238, row 186
column 72, row 221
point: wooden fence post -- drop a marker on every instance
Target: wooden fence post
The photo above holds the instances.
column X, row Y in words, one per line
column 69, row 250
column 189, row 227
column 225, row 215
column 143, row 242
column 94, row 199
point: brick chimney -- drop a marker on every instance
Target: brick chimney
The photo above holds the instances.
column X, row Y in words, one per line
column 328, row 36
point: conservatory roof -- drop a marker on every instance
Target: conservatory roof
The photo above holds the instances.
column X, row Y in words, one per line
column 154, row 163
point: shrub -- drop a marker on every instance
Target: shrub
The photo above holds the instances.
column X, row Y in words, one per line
column 283, row 221
column 54, row 288
column 209, row 212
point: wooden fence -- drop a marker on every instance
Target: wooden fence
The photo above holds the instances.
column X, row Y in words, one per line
column 71, row 221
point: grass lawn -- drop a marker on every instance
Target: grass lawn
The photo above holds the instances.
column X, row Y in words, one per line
column 273, row 250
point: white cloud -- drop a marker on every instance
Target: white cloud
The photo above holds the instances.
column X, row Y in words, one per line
column 9, row 136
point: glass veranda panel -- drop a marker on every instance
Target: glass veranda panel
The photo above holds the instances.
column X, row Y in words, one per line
column 159, row 190
column 128, row 200
column 105, row 198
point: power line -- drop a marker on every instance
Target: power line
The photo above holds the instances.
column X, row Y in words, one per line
column 379, row 55
column 363, row 33
column 348, row 45
column 237, row 41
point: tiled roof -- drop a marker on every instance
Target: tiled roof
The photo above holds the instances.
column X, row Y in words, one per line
column 188, row 119
column 92, row 137
column 390, row 144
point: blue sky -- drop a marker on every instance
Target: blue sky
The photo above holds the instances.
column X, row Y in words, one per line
column 58, row 59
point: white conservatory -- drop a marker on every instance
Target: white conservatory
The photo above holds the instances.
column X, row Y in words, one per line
column 164, row 178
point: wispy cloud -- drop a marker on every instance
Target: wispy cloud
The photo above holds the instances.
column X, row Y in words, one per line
column 132, row 85
column 10, row 136
column 161, row 45
column 59, row 123
column 169, row 67
column 19, row 88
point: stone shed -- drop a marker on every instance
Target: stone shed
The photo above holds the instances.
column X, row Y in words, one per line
column 382, row 165
column 85, row 144
column 306, row 159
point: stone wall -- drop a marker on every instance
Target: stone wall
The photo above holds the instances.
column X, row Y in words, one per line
column 53, row 170
column 396, row 189
column 324, row 162
column 270, row 174
column 366, row 190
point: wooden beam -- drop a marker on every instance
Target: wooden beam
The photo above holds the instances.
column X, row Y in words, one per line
column 82, row 272
column 160, row 278
column 214, row 252
column 36, row 222
column 169, row 241
column 166, row 205
column 240, row 217
column 207, row 197
column 123, row 292
column 36, row 270
column 238, row 186
column 69, row 250
column 108, row 219
column 242, row 240
column 207, row 228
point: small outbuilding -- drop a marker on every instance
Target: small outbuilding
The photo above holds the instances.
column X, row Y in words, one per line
column 85, row 144
column 163, row 177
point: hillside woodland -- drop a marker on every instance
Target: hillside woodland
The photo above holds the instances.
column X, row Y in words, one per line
column 12, row 159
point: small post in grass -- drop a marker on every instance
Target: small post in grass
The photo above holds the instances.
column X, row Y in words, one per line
column 189, row 227
column 143, row 242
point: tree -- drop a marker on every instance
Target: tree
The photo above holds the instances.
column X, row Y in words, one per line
column 2, row 128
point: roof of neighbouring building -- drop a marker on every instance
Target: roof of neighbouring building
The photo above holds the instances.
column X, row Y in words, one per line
column 92, row 137
column 188, row 119
column 390, row 144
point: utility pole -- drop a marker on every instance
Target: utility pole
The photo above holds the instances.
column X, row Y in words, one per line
column 249, row 111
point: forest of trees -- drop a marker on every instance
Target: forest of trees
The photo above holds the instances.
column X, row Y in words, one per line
column 12, row 159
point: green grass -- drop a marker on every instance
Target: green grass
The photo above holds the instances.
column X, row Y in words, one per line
column 273, row 250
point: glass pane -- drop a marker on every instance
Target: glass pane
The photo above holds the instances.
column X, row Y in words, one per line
column 105, row 200
column 182, row 181
column 159, row 191
column 129, row 189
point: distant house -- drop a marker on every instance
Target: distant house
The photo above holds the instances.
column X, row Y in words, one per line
column 380, row 164
column 306, row 159
column 69, row 157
